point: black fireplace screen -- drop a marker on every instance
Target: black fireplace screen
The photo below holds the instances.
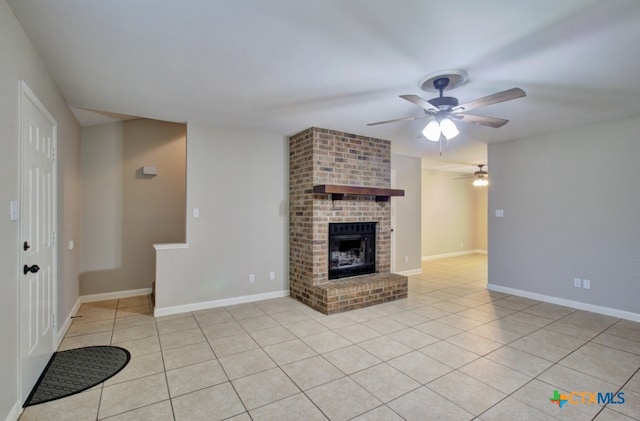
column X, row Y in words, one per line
column 352, row 249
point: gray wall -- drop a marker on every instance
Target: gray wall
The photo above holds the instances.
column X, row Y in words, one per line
column 453, row 214
column 239, row 182
column 407, row 212
column 571, row 209
column 20, row 61
column 125, row 212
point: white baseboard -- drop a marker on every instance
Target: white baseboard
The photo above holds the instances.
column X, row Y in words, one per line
column 15, row 412
column 607, row 311
column 166, row 311
column 62, row 330
column 453, row 254
column 114, row 295
column 410, row 272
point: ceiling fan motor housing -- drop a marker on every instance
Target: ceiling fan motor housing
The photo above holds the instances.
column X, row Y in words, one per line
column 481, row 173
column 444, row 103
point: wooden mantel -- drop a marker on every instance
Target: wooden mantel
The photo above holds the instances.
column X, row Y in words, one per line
column 338, row 192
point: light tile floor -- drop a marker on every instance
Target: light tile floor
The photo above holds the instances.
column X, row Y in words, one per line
column 451, row 351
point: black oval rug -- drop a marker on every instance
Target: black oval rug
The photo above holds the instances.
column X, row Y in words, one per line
column 72, row 371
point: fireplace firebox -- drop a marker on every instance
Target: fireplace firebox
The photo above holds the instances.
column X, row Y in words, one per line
column 352, row 249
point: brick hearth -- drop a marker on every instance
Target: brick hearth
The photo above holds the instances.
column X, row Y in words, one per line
column 320, row 156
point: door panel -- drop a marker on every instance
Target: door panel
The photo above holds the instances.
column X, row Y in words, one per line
column 37, row 229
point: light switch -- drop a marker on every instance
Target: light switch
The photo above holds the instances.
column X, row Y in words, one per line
column 499, row 213
column 14, row 213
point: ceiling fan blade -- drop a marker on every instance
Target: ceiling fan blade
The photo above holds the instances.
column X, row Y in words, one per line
column 482, row 120
column 421, row 102
column 503, row 96
column 397, row 119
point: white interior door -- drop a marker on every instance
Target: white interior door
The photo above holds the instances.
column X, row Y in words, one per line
column 37, row 232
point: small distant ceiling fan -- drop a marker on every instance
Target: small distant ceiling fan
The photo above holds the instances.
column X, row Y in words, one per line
column 444, row 109
column 480, row 177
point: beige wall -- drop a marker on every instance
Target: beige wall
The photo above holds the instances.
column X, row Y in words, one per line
column 571, row 210
column 453, row 214
column 407, row 212
column 101, row 197
column 20, row 61
column 480, row 223
column 125, row 212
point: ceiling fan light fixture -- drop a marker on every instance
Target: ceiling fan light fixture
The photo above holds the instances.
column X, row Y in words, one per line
column 449, row 129
column 480, row 182
column 432, row 131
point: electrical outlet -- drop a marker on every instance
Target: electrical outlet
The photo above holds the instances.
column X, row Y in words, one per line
column 406, row 259
column 586, row 284
column 577, row 282
column 196, row 212
column 272, row 276
column 252, row 278
column 461, row 245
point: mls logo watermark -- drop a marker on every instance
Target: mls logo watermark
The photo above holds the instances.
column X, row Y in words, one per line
column 587, row 398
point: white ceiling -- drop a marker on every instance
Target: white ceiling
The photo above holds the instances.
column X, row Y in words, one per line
column 284, row 65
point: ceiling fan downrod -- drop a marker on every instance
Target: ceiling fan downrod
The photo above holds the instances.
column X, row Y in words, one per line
column 443, row 103
column 441, row 84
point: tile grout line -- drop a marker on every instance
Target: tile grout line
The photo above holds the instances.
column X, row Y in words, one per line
column 468, row 288
column 164, row 367
column 556, row 363
column 246, row 410
column 281, row 370
column 113, row 327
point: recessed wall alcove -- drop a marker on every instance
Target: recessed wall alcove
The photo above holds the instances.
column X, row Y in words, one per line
column 361, row 166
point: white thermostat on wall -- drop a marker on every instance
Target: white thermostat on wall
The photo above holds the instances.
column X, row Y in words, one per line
column 150, row 170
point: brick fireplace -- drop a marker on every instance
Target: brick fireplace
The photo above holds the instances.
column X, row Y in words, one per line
column 361, row 167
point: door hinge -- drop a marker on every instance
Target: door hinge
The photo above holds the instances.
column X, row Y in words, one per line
column 53, row 237
column 53, row 154
column 53, row 321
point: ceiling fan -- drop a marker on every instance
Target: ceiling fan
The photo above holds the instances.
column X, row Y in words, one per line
column 480, row 177
column 444, row 109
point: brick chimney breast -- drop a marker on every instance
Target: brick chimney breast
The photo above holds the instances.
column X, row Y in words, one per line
column 321, row 156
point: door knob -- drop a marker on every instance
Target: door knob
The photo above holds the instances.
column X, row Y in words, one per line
column 32, row 269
